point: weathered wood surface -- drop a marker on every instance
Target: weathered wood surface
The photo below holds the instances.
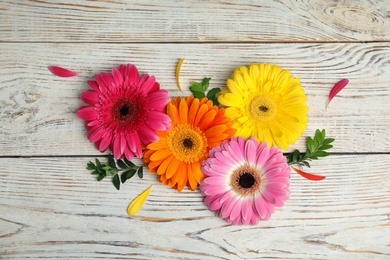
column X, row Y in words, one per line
column 38, row 108
column 51, row 208
column 194, row 21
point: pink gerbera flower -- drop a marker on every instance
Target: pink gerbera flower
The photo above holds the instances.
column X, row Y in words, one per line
column 245, row 180
column 124, row 111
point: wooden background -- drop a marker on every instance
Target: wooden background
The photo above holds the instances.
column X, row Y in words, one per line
column 51, row 207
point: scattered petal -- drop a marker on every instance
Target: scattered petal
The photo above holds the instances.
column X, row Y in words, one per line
column 137, row 204
column 336, row 89
column 309, row 176
column 61, row 72
column 178, row 73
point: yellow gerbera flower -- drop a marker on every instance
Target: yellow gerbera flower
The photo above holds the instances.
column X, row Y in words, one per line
column 197, row 126
column 266, row 102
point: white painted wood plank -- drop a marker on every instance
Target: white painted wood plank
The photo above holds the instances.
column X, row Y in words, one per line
column 194, row 21
column 52, row 207
column 37, row 109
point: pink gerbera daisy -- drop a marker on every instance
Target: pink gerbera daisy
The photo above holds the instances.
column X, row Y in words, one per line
column 245, row 180
column 124, row 111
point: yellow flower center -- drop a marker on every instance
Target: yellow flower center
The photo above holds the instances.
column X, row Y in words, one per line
column 246, row 180
column 262, row 108
column 187, row 143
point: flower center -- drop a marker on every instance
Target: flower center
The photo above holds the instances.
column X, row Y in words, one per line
column 125, row 110
column 262, row 108
column 187, row 143
column 246, row 180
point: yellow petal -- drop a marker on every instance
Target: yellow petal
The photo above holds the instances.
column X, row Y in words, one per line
column 178, row 67
column 137, row 204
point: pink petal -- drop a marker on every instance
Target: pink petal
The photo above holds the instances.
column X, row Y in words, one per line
column 147, row 135
column 116, row 147
column 90, row 97
column 61, row 72
column 105, row 143
column 93, row 84
column 227, row 206
column 213, row 202
column 250, row 151
column 336, row 89
column 87, row 113
column 96, row 134
column 134, row 144
column 148, row 84
column 117, row 76
column 131, row 76
column 246, row 211
column 236, row 210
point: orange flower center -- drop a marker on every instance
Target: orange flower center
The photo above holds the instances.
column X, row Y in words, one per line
column 246, row 180
column 187, row 143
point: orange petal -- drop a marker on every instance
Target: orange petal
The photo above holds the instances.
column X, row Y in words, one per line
column 207, row 119
column 309, row 176
column 172, row 168
column 164, row 165
column 183, row 111
column 191, row 177
column 215, row 131
column 158, row 145
column 193, row 110
column 201, row 112
column 173, row 114
column 160, row 154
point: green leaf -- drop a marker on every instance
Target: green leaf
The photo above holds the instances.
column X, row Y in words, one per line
column 198, row 94
column 91, row 166
column 99, row 165
column 94, row 172
column 140, row 172
column 213, row 92
column 111, row 161
column 121, row 164
column 321, row 154
column 116, row 182
column 328, row 141
column 311, row 145
column 205, row 84
column 129, row 163
column 196, row 87
column 101, row 177
column 325, row 147
column 295, row 156
column 127, row 175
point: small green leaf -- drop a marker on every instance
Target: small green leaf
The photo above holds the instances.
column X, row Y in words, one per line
column 321, row 154
column 101, row 177
column 129, row 163
column 111, row 161
column 328, row 141
column 198, row 95
column 121, row 164
column 91, row 166
column 99, row 165
column 205, row 84
column 311, row 145
column 325, row 147
column 213, row 92
column 94, row 172
column 196, row 87
column 295, row 156
column 116, row 182
column 140, row 172
column 127, row 175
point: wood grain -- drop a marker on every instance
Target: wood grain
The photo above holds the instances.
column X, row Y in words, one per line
column 194, row 21
column 51, row 207
column 38, row 109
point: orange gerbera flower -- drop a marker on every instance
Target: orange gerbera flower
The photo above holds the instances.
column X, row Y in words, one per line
column 197, row 126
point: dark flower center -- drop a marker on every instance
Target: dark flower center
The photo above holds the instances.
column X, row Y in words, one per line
column 246, row 180
column 263, row 108
column 188, row 143
column 124, row 110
